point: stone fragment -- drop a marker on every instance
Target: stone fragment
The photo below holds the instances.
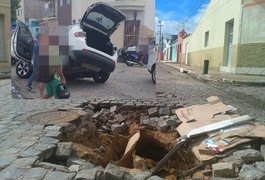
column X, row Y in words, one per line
column 75, row 161
column 173, row 111
column 47, row 150
column 96, row 173
column 113, row 109
column 118, row 128
column 113, row 172
column 90, row 112
column 64, row 150
column 249, row 155
column 262, row 150
column 260, row 165
column 206, row 172
column 53, row 128
column 237, row 161
column 225, row 170
column 119, row 118
column 35, row 173
column 145, row 121
column 251, row 172
column 164, row 111
column 96, row 115
column 142, row 118
column 173, row 122
column 74, row 168
column 162, row 126
column 103, row 111
column 153, row 112
column 87, row 165
column 155, row 178
column 54, row 134
column 90, row 107
column 142, row 175
column 51, row 166
column 59, row 175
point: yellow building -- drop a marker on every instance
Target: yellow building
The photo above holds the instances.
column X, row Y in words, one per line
column 231, row 36
column 5, row 34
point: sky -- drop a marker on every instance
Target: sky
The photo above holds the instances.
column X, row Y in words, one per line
column 176, row 14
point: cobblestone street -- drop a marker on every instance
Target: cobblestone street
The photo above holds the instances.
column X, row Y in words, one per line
column 24, row 145
column 124, row 82
column 189, row 91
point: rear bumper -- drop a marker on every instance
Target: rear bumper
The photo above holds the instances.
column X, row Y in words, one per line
column 95, row 59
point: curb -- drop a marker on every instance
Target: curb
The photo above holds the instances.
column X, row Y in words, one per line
column 215, row 78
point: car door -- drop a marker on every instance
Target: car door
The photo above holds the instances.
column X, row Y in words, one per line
column 22, row 43
column 102, row 17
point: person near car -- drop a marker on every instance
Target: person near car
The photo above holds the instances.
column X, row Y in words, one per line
column 56, row 78
column 34, row 62
column 143, row 58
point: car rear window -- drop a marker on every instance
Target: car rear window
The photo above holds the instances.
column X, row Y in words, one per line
column 101, row 20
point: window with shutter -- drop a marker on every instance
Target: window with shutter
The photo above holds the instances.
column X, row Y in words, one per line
column 2, row 40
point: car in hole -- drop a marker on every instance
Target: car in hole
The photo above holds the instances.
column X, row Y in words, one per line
column 91, row 52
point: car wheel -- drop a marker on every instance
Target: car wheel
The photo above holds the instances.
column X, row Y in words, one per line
column 153, row 74
column 24, row 70
column 101, row 77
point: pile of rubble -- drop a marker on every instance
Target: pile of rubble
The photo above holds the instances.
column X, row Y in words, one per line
column 200, row 141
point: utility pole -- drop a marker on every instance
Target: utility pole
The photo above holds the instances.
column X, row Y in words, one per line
column 160, row 35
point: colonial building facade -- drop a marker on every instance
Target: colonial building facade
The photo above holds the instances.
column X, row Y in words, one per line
column 231, row 36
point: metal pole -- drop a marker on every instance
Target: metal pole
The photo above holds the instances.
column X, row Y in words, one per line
column 160, row 35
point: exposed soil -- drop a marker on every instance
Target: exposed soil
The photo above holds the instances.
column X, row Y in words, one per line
column 100, row 147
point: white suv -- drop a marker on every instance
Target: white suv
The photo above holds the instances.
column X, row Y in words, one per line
column 91, row 53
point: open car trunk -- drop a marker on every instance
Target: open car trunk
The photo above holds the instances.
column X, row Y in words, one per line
column 99, row 41
column 99, row 22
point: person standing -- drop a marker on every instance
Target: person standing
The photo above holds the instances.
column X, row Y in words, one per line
column 35, row 61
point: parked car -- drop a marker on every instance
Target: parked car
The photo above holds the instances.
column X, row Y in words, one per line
column 91, row 53
column 152, row 64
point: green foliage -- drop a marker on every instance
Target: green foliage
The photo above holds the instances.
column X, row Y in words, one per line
column 14, row 6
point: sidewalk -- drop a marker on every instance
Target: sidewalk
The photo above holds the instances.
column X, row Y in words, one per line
column 217, row 76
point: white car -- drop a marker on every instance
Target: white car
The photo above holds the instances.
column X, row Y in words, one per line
column 152, row 64
column 91, row 53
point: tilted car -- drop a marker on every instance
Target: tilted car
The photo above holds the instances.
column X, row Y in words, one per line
column 91, row 53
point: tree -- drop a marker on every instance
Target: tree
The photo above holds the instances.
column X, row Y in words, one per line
column 15, row 4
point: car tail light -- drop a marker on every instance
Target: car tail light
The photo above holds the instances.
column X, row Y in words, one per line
column 80, row 34
column 84, row 50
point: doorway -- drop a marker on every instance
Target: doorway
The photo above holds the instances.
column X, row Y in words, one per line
column 229, row 43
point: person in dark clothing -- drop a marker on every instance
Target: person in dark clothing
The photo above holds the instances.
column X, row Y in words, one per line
column 35, row 61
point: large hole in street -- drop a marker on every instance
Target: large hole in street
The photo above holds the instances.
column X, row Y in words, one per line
column 95, row 142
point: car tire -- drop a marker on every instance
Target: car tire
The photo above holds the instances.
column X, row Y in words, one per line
column 24, row 70
column 101, row 77
column 153, row 74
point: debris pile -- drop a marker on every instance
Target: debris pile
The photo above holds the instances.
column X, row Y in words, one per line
column 200, row 141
